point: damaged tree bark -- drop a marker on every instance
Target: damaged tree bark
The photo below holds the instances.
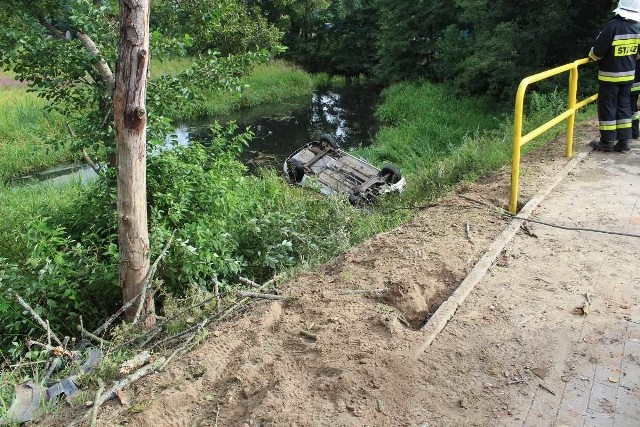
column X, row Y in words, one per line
column 131, row 125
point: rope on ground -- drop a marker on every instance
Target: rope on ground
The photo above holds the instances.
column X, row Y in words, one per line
column 548, row 224
column 564, row 227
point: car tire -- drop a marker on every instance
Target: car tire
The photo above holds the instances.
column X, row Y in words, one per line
column 295, row 171
column 356, row 200
column 328, row 139
column 391, row 174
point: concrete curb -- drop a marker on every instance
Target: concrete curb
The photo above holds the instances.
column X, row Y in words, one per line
column 447, row 309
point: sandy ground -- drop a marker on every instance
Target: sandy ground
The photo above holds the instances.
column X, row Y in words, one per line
column 366, row 310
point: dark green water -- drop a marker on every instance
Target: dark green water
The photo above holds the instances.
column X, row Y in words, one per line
column 346, row 113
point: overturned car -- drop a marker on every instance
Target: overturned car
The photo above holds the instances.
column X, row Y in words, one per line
column 323, row 165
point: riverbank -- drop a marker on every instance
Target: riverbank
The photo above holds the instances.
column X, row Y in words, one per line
column 255, row 226
column 28, row 130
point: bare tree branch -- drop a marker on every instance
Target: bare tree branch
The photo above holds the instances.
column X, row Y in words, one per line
column 103, row 67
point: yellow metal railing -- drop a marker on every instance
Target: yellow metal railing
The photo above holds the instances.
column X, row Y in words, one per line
column 519, row 140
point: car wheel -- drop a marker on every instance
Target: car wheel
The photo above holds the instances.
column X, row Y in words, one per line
column 328, row 139
column 295, row 171
column 391, row 174
column 357, row 200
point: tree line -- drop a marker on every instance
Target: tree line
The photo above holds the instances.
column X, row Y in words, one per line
column 480, row 46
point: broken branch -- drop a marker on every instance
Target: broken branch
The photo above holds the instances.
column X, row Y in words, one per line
column 94, row 410
column 150, row 274
column 247, row 294
column 95, row 338
column 38, row 319
column 248, row 282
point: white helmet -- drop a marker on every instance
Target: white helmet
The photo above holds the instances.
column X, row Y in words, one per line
column 629, row 9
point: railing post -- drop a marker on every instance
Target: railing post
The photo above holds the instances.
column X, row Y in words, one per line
column 569, row 114
column 517, row 138
column 573, row 93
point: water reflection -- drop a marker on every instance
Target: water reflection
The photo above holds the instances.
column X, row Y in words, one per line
column 347, row 113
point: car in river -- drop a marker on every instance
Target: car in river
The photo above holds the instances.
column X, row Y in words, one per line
column 323, row 165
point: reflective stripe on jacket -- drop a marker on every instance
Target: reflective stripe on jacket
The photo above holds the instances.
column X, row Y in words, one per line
column 615, row 49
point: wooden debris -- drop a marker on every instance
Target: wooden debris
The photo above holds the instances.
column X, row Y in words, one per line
column 467, row 229
column 94, row 410
column 134, row 363
column 249, row 282
column 95, row 338
column 119, row 385
column 248, row 294
column 37, row 318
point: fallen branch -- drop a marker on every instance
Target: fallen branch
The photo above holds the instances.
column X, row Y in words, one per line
column 134, row 363
column 249, row 282
column 247, row 294
column 90, row 162
column 154, row 331
column 119, row 385
column 94, row 410
column 95, row 338
column 481, row 202
column 185, row 347
column 57, row 351
column 114, row 316
column 149, row 278
column 217, row 318
column 467, row 229
column 38, row 319
column 359, row 291
column 148, row 340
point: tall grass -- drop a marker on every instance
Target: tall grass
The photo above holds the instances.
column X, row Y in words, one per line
column 438, row 140
column 20, row 204
column 25, row 125
column 267, row 83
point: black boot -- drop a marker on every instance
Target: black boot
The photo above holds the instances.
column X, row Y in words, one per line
column 622, row 145
column 602, row 145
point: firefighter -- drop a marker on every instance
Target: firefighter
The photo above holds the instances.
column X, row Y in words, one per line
column 616, row 49
column 635, row 93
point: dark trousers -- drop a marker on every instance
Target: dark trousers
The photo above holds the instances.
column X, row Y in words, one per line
column 614, row 112
column 635, row 127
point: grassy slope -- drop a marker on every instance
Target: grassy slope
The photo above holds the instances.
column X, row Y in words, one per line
column 438, row 140
column 25, row 126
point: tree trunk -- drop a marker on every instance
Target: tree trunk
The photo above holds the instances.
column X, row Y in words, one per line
column 131, row 156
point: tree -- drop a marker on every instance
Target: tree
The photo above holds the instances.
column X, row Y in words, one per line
column 66, row 51
column 130, row 113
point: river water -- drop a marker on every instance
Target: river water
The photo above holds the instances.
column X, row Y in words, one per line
column 346, row 113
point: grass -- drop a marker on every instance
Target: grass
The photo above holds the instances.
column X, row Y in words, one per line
column 20, row 204
column 438, row 140
column 268, row 83
column 25, row 127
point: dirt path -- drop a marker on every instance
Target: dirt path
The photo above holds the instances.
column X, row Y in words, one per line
column 259, row 370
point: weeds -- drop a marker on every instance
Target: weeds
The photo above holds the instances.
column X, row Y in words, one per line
column 25, row 127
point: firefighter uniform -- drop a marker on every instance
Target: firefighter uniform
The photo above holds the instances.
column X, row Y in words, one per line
column 635, row 93
column 615, row 49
